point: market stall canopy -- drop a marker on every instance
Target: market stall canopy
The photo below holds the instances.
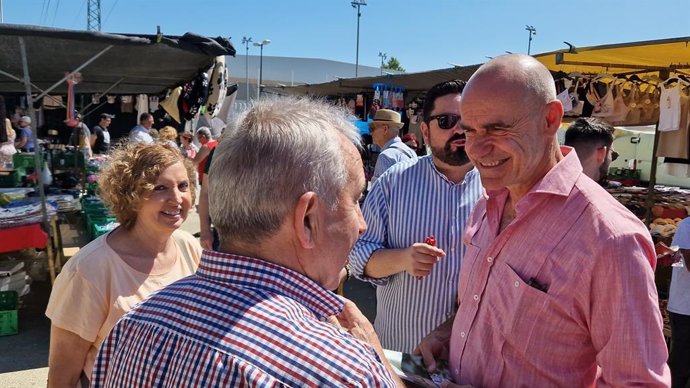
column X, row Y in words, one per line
column 146, row 64
column 412, row 82
column 635, row 57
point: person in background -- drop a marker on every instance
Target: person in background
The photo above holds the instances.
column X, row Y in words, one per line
column 81, row 135
column 557, row 283
column 25, row 140
column 7, row 136
column 679, row 309
column 416, row 282
column 592, row 139
column 203, row 134
column 168, row 135
column 114, row 272
column 187, row 146
column 140, row 133
column 384, row 131
column 100, row 137
column 258, row 311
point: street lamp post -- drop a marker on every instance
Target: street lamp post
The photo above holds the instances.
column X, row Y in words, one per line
column 245, row 42
column 261, row 62
column 357, row 4
column 383, row 58
column 532, row 31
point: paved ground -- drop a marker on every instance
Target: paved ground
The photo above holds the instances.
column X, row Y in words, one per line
column 24, row 357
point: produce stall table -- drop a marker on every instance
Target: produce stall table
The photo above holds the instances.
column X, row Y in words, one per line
column 33, row 236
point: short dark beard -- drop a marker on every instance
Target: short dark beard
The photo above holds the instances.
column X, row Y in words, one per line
column 447, row 155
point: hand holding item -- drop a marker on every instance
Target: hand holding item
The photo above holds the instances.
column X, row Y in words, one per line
column 434, row 347
column 421, row 257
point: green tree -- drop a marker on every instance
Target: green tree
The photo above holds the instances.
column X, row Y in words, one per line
column 393, row 64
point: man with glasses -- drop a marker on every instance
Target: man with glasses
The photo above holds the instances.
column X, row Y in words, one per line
column 592, row 139
column 384, row 131
column 416, row 276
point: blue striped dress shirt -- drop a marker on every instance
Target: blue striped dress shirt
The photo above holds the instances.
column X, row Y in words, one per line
column 238, row 322
column 411, row 201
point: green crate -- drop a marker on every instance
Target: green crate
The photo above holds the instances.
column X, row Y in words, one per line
column 9, row 179
column 25, row 160
column 9, row 324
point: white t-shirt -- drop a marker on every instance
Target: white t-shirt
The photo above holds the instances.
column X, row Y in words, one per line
column 679, row 295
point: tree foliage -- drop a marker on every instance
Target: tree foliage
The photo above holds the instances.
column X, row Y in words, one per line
column 393, row 64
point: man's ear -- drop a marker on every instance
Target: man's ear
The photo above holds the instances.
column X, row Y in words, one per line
column 554, row 117
column 304, row 219
column 601, row 154
column 425, row 132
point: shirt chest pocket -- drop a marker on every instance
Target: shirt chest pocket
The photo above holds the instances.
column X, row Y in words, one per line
column 515, row 309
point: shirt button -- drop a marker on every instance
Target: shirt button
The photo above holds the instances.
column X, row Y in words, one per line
column 490, row 259
column 462, row 334
column 517, row 284
column 476, row 297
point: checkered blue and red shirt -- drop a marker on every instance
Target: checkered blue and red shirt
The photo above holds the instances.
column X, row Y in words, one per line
column 238, row 321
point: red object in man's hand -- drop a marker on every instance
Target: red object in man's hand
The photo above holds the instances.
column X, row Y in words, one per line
column 431, row 240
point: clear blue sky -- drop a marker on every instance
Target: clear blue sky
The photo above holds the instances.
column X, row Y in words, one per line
column 423, row 35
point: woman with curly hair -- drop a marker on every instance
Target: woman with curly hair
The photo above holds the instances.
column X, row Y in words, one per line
column 150, row 189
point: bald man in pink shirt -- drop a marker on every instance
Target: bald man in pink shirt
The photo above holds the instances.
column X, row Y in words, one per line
column 557, row 284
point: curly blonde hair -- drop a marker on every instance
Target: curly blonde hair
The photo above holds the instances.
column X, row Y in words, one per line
column 131, row 174
column 167, row 133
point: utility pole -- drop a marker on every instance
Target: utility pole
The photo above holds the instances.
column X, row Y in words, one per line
column 357, row 4
column 532, row 31
column 93, row 15
column 245, row 42
column 383, row 58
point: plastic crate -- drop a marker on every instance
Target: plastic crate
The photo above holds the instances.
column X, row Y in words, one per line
column 25, row 160
column 9, row 179
column 9, row 324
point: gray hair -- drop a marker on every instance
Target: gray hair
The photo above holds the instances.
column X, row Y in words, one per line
column 204, row 131
column 281, row 148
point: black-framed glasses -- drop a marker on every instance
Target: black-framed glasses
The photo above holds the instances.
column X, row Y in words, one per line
column 614, row 154
column 445, row 121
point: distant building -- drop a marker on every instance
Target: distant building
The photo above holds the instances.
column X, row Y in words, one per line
column 279, row 71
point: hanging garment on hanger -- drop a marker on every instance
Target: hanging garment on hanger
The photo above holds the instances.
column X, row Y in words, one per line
column 603, row 107
column 676, row 144
column 575, row 104
column 142, row 105
column 127, row 104
column 218, row 86
column 631, row 98
column 620, row 109
column 649, row 99
column 669, row 108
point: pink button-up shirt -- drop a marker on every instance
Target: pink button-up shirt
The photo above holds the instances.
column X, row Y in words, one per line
column 563, row 297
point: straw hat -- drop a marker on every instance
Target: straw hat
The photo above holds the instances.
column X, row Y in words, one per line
column 388, row 117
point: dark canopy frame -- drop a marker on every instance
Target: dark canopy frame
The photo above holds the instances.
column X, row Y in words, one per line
column 38, row 60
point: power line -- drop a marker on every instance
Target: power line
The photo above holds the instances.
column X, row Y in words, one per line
column 55, row 13
column 109, row 12
column 76, row 15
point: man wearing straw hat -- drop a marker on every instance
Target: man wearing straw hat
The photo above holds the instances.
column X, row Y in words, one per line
column 384, row 132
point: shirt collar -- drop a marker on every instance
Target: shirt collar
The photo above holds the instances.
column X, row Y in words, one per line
column 256, row 273
column 391, row 141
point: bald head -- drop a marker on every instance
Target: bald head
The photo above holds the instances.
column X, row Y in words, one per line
column 522, row 71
